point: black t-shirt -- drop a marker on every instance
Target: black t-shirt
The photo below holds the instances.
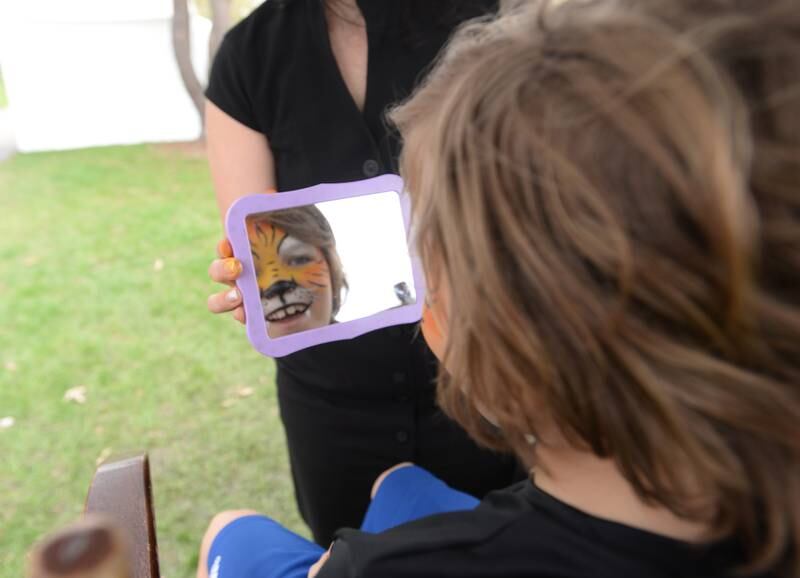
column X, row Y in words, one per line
column 276, row 73
column 522, row 532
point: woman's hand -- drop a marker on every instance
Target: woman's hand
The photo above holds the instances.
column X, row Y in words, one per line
column 241, row 162
column 226, row 269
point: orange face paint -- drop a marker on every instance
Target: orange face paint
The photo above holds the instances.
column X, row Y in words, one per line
column 293, row 279
column 310, row 272
column 432, row 331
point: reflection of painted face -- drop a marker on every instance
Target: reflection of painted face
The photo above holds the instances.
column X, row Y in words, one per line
column 293, row 279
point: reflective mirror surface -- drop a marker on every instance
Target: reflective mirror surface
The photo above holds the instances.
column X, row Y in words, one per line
column 330, row 262
column 325, row 263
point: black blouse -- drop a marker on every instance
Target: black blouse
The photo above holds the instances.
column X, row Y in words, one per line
column 276, row 73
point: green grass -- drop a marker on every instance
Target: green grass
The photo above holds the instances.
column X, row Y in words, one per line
column 82, row 304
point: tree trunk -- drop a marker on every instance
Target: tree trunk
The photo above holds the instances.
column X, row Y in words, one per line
column 220, row 23
column 183, row 54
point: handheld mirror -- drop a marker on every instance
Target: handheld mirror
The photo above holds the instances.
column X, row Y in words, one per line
column 325, row 263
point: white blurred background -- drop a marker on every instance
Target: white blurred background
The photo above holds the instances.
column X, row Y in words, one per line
column 83, row 73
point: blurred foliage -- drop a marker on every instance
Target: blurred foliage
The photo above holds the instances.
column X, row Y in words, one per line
column 3, row 96
column 239, row 8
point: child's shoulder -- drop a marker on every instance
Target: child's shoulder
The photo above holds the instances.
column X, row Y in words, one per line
column 519, row 531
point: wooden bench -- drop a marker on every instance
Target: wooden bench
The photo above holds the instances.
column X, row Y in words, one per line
column 117, row 537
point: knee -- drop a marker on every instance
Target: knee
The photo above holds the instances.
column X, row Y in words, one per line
column 380, row 479
column 218, row 522
column 224, row 518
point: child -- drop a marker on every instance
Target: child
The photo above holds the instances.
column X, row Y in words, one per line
column 607, row 197
column 299, row 272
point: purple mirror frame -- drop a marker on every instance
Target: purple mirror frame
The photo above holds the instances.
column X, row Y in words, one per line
column 236, row 229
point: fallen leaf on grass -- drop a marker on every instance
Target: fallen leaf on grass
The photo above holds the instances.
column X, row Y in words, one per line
column 158, row 265
column 31, row 260
column 6, row 422
column 76, row 394
column 103, row 456
column 10, row 366
column 245, row 391
column 241, row 392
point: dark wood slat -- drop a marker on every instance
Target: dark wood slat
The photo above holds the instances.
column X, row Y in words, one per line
column 121, row 492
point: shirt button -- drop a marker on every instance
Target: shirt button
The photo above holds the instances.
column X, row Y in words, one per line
column 398, row 377
column 401, row 436
column 371, row 168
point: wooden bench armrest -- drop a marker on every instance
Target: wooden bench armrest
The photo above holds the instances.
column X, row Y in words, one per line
column 121, row 492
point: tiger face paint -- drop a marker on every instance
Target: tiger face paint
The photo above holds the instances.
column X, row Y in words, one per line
column 431, row 329
column 294, row 280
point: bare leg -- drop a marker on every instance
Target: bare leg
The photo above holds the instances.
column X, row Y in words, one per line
column 379, row 480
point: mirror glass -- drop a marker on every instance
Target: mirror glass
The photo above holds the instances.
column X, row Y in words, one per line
column 330, row 262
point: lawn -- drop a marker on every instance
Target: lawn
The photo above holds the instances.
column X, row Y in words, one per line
column 102, row 286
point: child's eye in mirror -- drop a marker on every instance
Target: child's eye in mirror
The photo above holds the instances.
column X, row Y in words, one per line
column 296, row 253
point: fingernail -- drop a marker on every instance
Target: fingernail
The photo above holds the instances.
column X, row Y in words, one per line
column 233, row 266
column 232, row 295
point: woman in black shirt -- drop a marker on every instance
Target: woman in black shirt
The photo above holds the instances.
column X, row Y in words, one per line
column 296, row 97
column 607, row 200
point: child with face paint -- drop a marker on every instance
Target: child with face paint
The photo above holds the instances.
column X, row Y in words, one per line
column 607, row 200
column 298, row 270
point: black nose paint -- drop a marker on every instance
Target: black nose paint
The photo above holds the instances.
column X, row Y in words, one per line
column 278, row 289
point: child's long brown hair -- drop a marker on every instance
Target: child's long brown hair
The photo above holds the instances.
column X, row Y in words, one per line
column 612, row 192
